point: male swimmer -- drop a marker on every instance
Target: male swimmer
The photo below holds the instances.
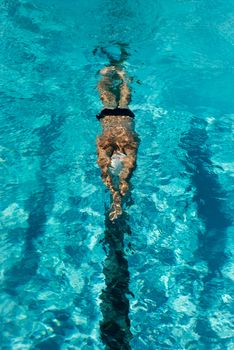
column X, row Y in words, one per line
column 117, row 146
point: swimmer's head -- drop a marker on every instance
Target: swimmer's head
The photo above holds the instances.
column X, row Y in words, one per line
column 117, row 162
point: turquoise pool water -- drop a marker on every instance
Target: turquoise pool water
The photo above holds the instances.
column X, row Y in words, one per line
column 162, row 276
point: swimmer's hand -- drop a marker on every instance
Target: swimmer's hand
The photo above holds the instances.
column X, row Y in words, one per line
column 123, row 186
column 116, row 208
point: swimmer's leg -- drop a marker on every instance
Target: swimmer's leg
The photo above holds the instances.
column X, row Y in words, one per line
column 125, row 92
column 104, row 88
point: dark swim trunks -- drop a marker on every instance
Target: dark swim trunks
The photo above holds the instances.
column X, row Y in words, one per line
column 115, row 112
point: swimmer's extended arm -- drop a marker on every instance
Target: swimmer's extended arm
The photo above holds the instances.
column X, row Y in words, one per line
column 129, row 163
column 104, row 161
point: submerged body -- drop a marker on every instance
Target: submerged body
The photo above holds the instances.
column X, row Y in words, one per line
column 118, row 143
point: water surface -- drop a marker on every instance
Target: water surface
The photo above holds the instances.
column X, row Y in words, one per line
column 161, row 277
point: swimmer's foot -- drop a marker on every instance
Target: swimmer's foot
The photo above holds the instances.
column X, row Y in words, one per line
column 110, row 69
column 121, row 73
column 107, row 70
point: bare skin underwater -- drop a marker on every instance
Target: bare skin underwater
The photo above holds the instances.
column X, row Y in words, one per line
column 117, row 146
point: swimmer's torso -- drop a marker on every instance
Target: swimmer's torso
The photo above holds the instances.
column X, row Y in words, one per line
column 118, row 130
column 116, row 124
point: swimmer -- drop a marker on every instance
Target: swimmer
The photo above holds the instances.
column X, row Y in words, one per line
column 117, row 146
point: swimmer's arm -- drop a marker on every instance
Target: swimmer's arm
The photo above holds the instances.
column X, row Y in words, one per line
column 129, row 163
column 104, row 161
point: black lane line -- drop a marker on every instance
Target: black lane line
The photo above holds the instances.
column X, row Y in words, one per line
column 115, row 325
column 209, row 198
column 38, row 205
